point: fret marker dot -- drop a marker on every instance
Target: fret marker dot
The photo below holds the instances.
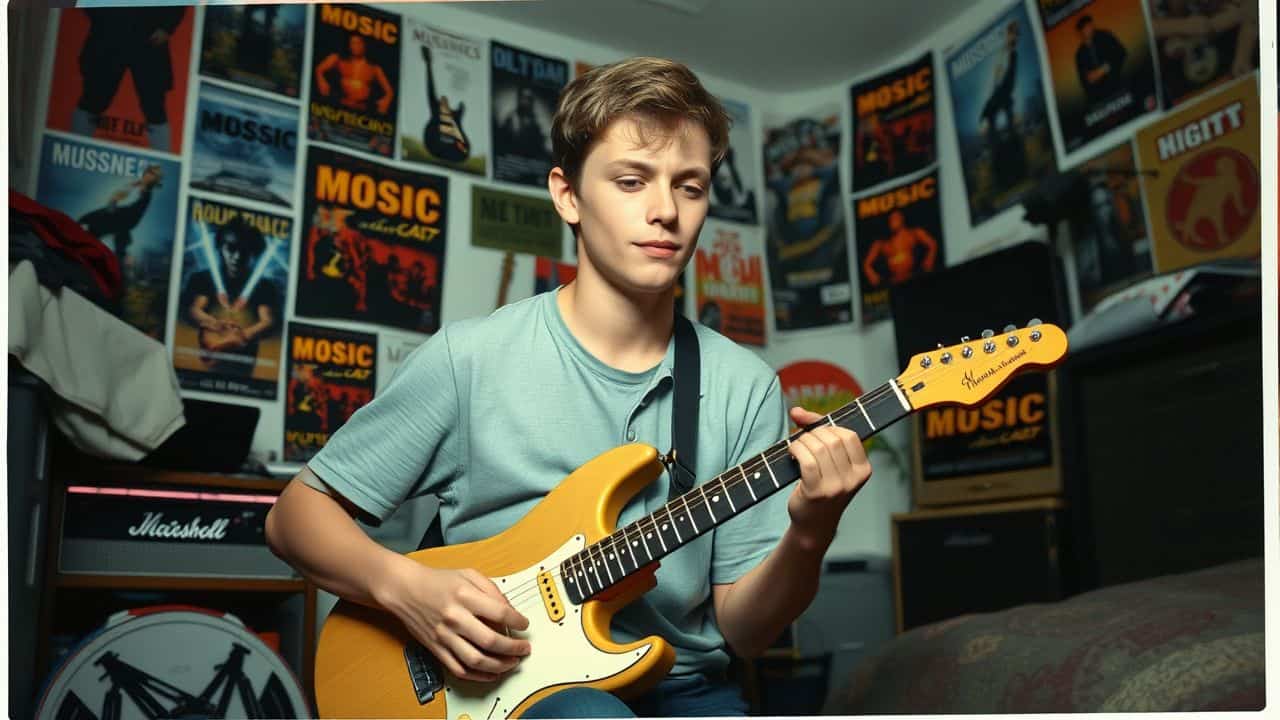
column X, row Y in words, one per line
column 649, row 535
column 757, row 476
column 634, row 543
column 715, row 498
column 610, row 556
column 664, row 526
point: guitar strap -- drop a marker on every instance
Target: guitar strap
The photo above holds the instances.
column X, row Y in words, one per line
column 682, row 461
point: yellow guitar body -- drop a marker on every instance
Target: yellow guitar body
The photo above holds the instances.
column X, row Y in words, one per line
column 361, row 670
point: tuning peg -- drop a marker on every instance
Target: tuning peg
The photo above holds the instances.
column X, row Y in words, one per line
column 964, row 338
column 1034, row 322
column 987, row 333
column 1010, row 328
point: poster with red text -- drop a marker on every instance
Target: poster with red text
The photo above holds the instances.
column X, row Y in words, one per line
column 729, row 276
column 893, row 124
column 1204, row 198
column 120, row 74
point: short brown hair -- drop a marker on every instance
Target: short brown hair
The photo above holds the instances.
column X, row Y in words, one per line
column 650, row 88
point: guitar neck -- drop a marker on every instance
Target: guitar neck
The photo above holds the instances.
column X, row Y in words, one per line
column 692, row 514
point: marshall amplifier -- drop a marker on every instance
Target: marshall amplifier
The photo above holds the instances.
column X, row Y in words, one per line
column 180, row 531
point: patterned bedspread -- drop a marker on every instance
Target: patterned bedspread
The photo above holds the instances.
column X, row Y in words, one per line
column 1191, row 641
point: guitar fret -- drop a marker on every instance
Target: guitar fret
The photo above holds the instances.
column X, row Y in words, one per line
column 864, row 414
column 689, row 513
column 658, row 532
column 906, row 406
column 750, row 489
column 770, row 469
column 645, row 542
column 724, row 487
column 631, row 546
column 675, row 527
column 707, row 502
column 605, row 561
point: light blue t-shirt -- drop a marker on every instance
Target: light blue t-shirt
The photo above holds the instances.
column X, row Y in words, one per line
column 490, row 414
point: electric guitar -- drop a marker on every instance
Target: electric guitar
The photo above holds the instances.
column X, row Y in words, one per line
column 568, row 568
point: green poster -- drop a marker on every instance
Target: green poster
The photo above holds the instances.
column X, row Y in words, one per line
column 515, row 223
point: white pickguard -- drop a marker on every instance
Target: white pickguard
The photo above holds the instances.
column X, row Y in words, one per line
column 560, row 651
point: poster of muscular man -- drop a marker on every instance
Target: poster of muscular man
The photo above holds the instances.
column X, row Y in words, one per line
column 332, row 373
column 893, row 124
column 1203, row 43
column 373, row 243
column 129, row 201
column 997, row 103
column 805, row 243
column 235, row 270
column 355, row 73
column 1203, row 200
column 524, row 88
column 442, row 109
column 120, row 74
column 255, row 45
column 1110, row 242
column 899, row 235
column 1100, row 65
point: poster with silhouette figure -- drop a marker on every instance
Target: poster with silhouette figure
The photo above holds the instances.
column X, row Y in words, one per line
column 733, row 187
column 443, row 114
column 127, row 200
column 355, row 76
column 1100, row 66
column 230, row 311
column 805, row 242
column 120, row 74
column 1204, row 199
column 331, row 374
column 998, row 108
column 893, row 124
column 372, row 243
column 1109, row 241
column 1202, row 44
column 729, row 282
column 524, row 88
column 259, row 46
column 244, row 146
column 899, row 232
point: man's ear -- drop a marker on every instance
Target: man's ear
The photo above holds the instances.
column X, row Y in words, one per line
column 562, row 195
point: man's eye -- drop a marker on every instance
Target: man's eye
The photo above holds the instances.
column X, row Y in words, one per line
column 693, row 191
column 628, row 183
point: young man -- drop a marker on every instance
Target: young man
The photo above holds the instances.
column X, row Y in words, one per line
column 491, row 414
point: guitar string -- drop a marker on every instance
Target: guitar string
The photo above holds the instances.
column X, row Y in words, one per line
column 521, row 594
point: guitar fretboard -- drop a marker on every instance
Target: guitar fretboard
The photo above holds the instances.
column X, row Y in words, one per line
column 632, row 547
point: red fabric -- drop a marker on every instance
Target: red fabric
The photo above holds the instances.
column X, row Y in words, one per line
column 62, row 233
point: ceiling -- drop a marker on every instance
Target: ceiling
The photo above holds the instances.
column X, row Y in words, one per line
column 772, row 45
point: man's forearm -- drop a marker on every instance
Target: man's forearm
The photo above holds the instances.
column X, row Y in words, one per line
column 764, row 601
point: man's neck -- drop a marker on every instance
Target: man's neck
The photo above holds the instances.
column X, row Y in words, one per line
column 623, row 332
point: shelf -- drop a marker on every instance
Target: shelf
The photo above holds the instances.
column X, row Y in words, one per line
column 171, row 582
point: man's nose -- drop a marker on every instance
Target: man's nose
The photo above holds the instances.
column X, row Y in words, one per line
column 662, row 206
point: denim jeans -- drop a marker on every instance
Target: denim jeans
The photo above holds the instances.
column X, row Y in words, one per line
column 680, row 696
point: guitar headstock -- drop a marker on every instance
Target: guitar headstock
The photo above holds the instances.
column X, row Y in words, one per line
column 971, row 371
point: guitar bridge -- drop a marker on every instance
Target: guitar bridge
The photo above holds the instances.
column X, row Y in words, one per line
column 424, row 671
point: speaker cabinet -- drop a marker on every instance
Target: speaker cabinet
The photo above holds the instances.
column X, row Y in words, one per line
column 1163, row 443
column 977, row 558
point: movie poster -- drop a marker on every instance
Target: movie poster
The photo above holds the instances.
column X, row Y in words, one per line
column 805, row 244
column 244, row 145
column 515, row 223
column 729, row 277
column 442, row 114
column 733, row 187
column 127, row 200
column 235, row 272
column 120, row 74
column 259, row 46
column 354, row 75
column 1110, row 242
column 549, row 274
column 332, row 373
column 373, row 243
column 1100, row 64
column 1203, row 44
column 893, row 124
column 1008, row 432
column 1203, row 200
column 525, row 89
column 899, row 232
column 998, row 107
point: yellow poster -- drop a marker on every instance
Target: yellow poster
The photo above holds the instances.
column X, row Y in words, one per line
column 1205, row 191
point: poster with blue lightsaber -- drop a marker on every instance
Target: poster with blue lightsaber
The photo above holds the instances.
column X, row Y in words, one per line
column 235, row 269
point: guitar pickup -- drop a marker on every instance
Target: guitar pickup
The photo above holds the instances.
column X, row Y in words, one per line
column 550, row 596
column 424, row 672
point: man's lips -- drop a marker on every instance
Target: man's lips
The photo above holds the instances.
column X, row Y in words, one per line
column 659, row 249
